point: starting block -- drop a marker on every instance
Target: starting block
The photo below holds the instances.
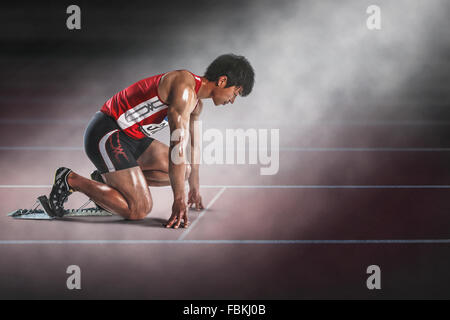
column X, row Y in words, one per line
column 45, row 212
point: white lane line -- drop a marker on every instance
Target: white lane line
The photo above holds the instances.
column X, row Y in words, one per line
column 186, row 232
column 287, row 149
column 260, row 242
column 24, row 186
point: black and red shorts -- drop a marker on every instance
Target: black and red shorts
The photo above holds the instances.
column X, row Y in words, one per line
column 109, row 148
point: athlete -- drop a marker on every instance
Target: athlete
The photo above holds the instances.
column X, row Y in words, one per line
column 128, row 160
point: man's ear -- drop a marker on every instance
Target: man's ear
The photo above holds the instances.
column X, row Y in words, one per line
column 222, row 81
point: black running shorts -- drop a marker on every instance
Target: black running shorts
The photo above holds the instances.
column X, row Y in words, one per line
column 109, row 148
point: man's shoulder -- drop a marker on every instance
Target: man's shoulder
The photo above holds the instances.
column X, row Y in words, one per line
column 180, row 89
column 183, row 78
column 174, row 84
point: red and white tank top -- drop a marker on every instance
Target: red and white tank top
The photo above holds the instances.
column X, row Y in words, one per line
column 140, row 105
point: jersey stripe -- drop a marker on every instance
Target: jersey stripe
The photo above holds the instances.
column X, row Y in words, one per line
column 140, row 112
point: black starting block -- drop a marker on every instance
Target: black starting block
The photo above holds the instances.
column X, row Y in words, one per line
column 46, row 214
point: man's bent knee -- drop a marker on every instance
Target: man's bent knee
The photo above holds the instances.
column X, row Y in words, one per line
column 138, row 215
column 141, row 211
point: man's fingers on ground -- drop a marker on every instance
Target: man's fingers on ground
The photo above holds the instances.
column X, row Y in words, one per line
column 186, row 221
column 178, row 221
column 171, row 221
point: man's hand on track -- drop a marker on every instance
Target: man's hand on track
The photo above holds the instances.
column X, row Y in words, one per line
column 179, row 212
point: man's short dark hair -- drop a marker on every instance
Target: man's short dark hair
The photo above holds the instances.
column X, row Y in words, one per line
column 237, row 69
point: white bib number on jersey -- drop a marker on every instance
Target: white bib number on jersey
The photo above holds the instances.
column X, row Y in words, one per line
column 151, row 129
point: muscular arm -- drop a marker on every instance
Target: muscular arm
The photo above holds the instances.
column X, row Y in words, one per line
column 181, row 99
column 195, row 147
column 181, row 105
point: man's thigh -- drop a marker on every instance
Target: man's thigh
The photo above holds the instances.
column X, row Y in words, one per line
column 155, row 157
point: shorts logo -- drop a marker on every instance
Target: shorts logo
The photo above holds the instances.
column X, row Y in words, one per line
column 117, row 150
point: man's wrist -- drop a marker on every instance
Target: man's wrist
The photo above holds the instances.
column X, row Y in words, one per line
column 179, row 195
column 194, row 185
column 179, row 198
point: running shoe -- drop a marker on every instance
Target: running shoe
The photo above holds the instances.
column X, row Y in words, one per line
column 60, row 192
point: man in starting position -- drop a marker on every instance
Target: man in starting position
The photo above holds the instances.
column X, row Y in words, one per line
column 128, row 160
